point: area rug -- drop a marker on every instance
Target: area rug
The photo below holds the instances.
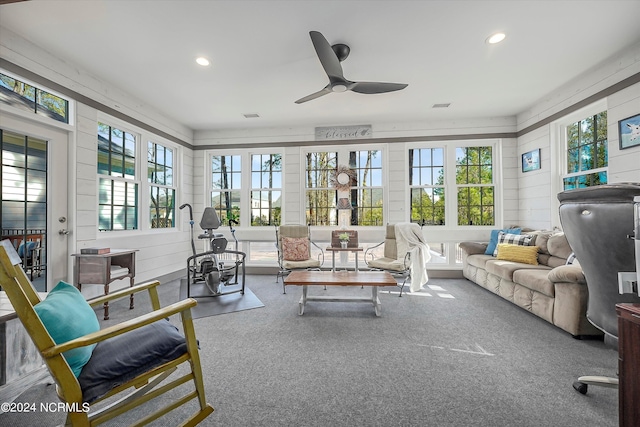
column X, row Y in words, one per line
column 222, row 304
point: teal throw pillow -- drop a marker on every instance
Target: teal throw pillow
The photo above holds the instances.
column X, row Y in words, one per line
column 67, row 315
column 493, row 241
column 30, row 247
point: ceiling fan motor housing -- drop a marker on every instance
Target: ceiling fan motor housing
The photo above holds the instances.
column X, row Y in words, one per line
column 341, row 51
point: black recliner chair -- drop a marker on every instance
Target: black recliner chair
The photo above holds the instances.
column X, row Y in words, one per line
column 599, row 225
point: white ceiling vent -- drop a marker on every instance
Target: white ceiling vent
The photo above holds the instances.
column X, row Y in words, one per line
column 251, row 116
column 441, row 105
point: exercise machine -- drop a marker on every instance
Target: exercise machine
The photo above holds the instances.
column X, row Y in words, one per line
column 217, row 267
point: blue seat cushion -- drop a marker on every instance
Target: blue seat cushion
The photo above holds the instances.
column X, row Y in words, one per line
column 122, row 358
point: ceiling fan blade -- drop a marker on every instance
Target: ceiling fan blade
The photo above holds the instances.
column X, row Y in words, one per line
column 377, row 87
column 327, row 56
column 325, row 91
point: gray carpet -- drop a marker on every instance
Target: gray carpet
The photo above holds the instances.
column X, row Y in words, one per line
column 222, row 304
column 456, row 355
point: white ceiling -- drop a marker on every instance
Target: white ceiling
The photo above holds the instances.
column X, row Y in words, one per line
column 263, row 59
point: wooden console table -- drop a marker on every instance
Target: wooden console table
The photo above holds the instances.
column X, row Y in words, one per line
column 102, row 269
column 334, row 249
column 629, row 363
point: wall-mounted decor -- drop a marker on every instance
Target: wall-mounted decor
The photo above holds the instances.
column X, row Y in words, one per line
column 531, row 160
column 629, row 131
column 342, row 177
column 343, row 132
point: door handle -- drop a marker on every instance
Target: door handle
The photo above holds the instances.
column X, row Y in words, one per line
column 64, row 232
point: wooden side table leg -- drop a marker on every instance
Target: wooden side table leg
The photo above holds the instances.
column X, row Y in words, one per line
column 106, row 304
column 131, row 280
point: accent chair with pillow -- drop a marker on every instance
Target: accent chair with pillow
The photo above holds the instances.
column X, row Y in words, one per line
column 405, row 255
column 125, row 361
column 293, row 243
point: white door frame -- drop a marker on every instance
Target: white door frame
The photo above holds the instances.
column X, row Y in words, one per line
column 59, row 138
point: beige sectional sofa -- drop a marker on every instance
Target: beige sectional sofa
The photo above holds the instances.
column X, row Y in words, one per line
column 552, row 290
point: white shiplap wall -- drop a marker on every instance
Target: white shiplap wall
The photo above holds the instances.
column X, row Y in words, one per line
column 624, row 165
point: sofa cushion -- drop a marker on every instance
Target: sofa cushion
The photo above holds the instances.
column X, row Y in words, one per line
column 473, row 248
column 513, row 239
column 493, row 239
column 540, row 239
column 505, row 269
column 559, row 246
column 567, row 274
column 478, row 260
column 518, row 253
column 536, row 280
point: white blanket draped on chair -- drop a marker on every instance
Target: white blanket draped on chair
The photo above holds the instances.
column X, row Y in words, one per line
column 409, row 238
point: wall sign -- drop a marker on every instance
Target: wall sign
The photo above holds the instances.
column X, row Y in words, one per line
column 343, row 132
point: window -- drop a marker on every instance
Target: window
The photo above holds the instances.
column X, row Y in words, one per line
column 27, row 97
column 320, row 198
column 587, row 152
column 367, row 195
column 117, row 189
column 474, row 182
column 426, row 183
column 266, row 189
column 226, row 183
column 161, row 186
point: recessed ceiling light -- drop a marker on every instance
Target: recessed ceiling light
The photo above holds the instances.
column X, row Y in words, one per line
column 496, row 38
column 202, row 61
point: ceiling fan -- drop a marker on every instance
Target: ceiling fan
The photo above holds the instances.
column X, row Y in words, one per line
column 330, row 58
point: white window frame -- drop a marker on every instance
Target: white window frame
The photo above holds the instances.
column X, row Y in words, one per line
column 245, row 205
column 146, row 186
column 123, row 126
column 451, row 187
column 250, row 189
column 36, row 117
column 558, row 139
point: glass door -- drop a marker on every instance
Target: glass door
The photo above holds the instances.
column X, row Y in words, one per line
column 23, row 205
column 33, row 197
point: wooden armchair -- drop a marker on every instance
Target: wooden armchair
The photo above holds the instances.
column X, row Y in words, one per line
column 293, row 243
column 149, row 349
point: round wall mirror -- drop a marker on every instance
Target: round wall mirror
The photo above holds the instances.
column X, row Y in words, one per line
column 342, row 178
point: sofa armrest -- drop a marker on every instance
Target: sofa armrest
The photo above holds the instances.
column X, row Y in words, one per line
column 473, row 248
column 567, row 274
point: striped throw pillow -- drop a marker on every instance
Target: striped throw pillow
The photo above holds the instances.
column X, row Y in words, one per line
column 512, row 239
column 518, row 253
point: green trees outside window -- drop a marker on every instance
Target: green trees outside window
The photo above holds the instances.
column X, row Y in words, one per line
column 587, row 152
column 226, row 182
column 266, row 189
column 161, row 189
column 117, row 187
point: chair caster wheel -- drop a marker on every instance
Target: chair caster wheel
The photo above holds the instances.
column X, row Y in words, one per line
column 580, row 387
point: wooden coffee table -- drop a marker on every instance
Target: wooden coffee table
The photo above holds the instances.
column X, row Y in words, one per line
column 375, row 279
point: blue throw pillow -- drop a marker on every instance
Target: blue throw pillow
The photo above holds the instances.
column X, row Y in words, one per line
column 30, row 247
column 493, row 241
column 67, row 315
